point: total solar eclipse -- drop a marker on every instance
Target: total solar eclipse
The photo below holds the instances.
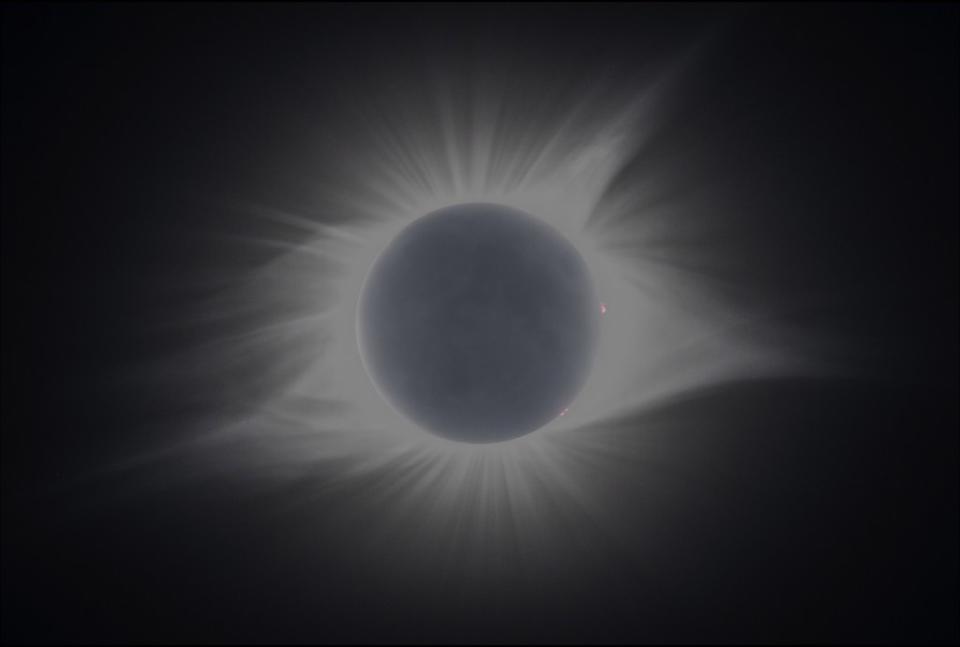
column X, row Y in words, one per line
column 478, row 322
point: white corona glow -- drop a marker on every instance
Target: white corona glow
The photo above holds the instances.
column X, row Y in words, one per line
column 318, row 416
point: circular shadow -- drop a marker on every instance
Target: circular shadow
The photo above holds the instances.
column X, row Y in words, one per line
column 478, row 322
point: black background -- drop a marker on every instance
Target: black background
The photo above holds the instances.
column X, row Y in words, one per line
column 839, row 497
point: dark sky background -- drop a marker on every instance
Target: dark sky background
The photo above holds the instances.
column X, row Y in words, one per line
column 836, row 124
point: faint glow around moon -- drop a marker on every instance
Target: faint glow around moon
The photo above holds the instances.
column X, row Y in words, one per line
column 293, row 403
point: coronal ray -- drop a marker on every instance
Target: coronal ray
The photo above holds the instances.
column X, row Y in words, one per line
column 295, row 411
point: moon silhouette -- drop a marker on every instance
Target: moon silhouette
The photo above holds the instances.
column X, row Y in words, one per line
column 479, row 323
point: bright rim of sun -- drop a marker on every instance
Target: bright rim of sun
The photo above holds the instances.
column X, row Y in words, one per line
column 316, row 412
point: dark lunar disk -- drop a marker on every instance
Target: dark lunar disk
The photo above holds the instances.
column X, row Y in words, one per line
column 479, row 322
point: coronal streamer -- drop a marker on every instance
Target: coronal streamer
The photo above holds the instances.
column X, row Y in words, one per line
column 295, row 409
